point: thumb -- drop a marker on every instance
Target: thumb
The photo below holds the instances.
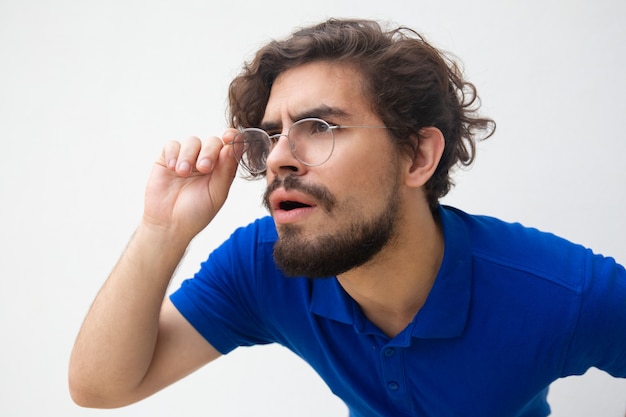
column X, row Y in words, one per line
column 223, row 174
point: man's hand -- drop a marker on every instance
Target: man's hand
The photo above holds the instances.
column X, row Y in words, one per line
column 189, row 184
column 132, row 343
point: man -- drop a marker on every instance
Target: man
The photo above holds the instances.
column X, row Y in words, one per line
column 404, row 307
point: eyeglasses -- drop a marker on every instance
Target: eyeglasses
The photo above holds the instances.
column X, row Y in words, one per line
column 311, row 142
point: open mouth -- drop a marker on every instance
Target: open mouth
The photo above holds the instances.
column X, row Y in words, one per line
column 292, row 205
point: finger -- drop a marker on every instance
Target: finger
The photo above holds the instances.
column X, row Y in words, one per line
column 228, row 138
column 227, row 161
column 224, row 172
column 209, row 154
column 169, row 155
column 188, row 156
column 229, row 135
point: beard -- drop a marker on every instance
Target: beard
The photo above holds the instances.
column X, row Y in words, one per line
column 342, row 248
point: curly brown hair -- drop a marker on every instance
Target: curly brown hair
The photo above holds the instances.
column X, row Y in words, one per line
column 410, row 84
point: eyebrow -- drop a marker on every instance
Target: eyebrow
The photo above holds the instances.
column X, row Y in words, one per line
column 320, row 112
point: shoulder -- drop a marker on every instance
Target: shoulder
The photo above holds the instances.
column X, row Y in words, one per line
column 250, row 241
column 515, row 247
column 247, row 252
column 261, row 230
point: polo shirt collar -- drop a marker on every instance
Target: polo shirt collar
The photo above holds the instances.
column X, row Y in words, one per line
column 446, row 309
column 328, row 299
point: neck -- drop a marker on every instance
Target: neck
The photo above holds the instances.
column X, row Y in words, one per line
column 393, row 287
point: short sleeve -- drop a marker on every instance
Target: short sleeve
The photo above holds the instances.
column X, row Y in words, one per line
column 221, row 301
column 600, row 336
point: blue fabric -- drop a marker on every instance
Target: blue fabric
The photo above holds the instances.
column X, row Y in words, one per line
column 512, row 310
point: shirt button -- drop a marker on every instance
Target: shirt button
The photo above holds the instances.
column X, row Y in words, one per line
column 393, row 385
column 390, row 352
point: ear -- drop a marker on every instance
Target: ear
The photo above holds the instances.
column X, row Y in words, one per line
column 430, row 149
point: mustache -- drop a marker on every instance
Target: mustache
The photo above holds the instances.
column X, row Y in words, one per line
column 321, row 194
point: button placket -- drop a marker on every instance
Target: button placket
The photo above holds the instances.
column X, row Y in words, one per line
column 391, row 359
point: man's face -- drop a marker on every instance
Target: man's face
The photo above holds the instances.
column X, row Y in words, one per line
column 339, row 215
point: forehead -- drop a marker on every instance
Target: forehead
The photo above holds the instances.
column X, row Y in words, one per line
column 301, row 91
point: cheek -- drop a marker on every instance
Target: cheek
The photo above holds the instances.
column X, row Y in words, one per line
column 364, row 190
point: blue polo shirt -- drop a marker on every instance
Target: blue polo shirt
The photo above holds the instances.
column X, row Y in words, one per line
column 512, row 310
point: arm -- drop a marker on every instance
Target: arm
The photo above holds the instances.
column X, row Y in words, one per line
column 132, row 342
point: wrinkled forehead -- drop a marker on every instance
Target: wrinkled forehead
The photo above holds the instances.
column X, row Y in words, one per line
column 319, row 89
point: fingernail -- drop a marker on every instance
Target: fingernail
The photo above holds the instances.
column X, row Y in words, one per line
column 204, row 163
column 184, row 166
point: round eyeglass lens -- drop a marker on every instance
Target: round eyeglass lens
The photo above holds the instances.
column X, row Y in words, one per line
column 251, row 148
column 312, row 141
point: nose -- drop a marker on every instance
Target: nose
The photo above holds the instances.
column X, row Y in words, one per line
column 281, row 160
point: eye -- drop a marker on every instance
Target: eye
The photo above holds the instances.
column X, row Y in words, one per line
column 317, row 127
column 321, row 126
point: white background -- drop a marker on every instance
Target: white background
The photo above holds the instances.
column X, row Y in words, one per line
column 90, row 91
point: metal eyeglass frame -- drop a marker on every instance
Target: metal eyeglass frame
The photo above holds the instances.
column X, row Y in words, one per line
column 272, row 139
